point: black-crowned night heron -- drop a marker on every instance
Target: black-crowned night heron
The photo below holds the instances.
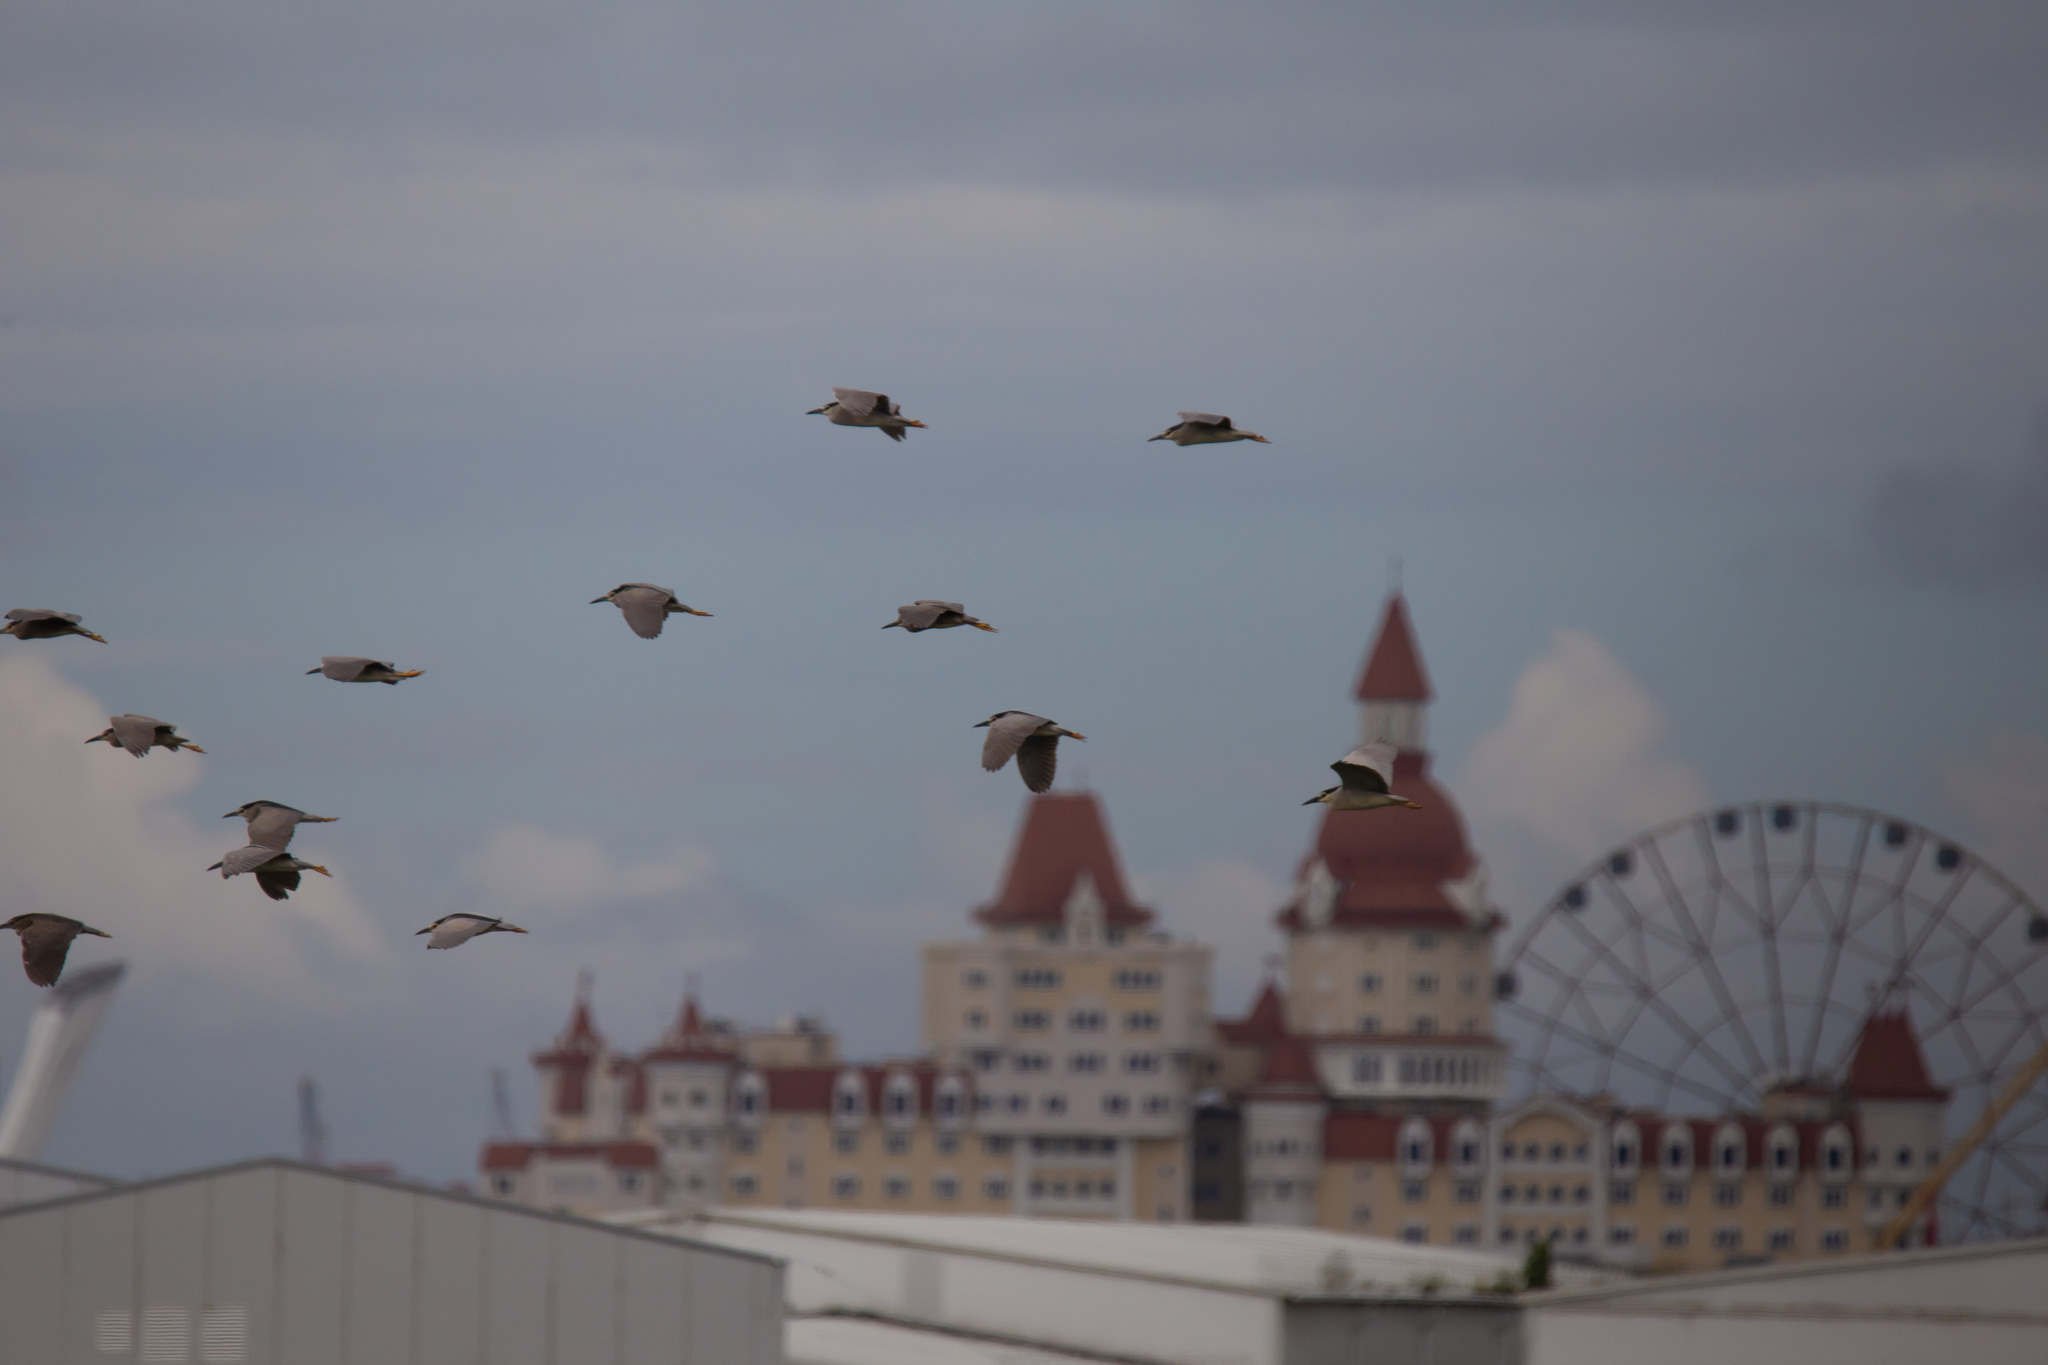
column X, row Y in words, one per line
column 45, row 939
column 452, row 931
column 1363, row 776
column 37, row 623
column 1033, row 739
column 349, row 668
column 646, row 607
column 272, row 824
column 859, row 408
column 276, row 872
column 138, row 734
column 927, row 614
column 1205, row 428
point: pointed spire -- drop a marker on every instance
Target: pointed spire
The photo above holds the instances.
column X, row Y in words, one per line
column 1393, row 670
column 1888, row 1064
column 1064, row 838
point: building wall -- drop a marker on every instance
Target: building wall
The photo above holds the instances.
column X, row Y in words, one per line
column 1345, row 981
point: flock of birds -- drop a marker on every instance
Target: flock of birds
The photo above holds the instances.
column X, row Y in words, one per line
column 1364, row 774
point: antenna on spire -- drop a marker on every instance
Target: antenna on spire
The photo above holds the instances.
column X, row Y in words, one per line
column 501, row 1106
column 312, row 1132
column 586, row 981
column 691, row 985
column 1393, row 573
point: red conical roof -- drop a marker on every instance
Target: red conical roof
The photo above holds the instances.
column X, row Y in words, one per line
column 1266, row 1022
column 1064, row 835
column 1288, row 1072
column 1391, row 865
column 1393, row 670
column 570, row 1058
column 1888, row 1064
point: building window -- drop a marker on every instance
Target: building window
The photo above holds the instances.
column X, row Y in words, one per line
column 1141, row 1062
column 976, row 1019
column 1834, row 1239
column 1115, row 1104
column 945, row 1187
column 1621, row 1234
column 1425, row 941
column 1141, row 1021
column 1425, row 983
column 1425, row 1024
column 1033, row 1019
column 744, row 1186
column 846, row 1143
column 1414, row 1191
column 1676, row 1193
column 1369, row 1024
column 1781, row 1239
column 1832, row 1197
column 987, row 1060
column 1622, row 1192
column 1507, row 1194
column 1557, row 1151
column 1727, row 1239
column 1904, row 1158
column 1534, row 1194
column 1086, row 1062
column 1727, row 1196
column 1675, row 1237
column 503, row 1184
column 1054, row 1104
column 945, row 1144
column 846, row 1186
column 975, row 980
column 1781, row 1196
column 1557, row 1194
column 1086, row 1021
column 1136, row 979
column 1467, row 1192
column 1158, row 1104
column 1467, row 1234
column 1031, row 1061
column 1581, row 1194
column 744, row 1142
column 1370, row 983
column 1037, row 979
column 1416, row 1233
column 897, row 1144
column 1876, row 1199
column 995, row 1146
column 896, row 1187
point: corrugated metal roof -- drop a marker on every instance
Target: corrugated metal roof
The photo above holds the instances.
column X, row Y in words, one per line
column 862, row 1341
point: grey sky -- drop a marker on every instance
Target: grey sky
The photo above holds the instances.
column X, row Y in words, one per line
column 1718, row 335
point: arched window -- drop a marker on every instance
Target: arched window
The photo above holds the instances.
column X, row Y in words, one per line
column 1466, row 1145
column 1731, row 1150
column 1837, row 1153
column 749, row 1097
column 849, row 1098
column 949, row 1101
column 1674, row 1149
column 1782, row 1152
column 899, row 1099
column 1627, row 1146
column 1415, row 1145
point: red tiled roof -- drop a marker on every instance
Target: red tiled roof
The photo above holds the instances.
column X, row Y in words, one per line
column 1464, row 1040
column 690, row 1041
column 1352, row 1136
column 1287, row 1072
column 570, row 1058
column 1266, row 1022
column 635, row 1083
column 1393, row 670
column 1064, row 835
column 517, row 1156
column 1888, row 1064
column 798, row 1088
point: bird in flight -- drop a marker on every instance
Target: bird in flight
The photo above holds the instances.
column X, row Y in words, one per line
column 451, row 931
column 928, row 614
column 45, row 940
column 139, row 734
column 1206, row 428
column 271, row 826
column 1363, row 777
column 646, row 607
column 859, row 408
column 1034, row 741
column 37, row 623
column 349, row 668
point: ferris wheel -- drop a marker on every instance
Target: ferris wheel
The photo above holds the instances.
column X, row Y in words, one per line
column 1709, row 959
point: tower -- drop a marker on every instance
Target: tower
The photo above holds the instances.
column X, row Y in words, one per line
column 1389, row 962
column 688, row 1079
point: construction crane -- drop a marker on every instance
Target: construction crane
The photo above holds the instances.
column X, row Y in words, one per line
column 1930, row 1188
column 312, row 1132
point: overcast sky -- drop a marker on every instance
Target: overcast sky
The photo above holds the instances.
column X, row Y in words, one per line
column 1691, row 359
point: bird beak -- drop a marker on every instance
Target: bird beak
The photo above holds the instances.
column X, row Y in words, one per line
column 815, row 412
column 596, row 600
column 216, row 868
column 96, row 933
column 983, row 625
column 1160, row 437
column 311, row 671
column 428, row 930
column 96, row 739
column 321, row 870
column 979, row 725
column 231, row 815
column 892, row 623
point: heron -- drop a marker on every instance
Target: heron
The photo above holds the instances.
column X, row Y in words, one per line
column 277, row 872
column 1363, row 777
column 646, row 607
column 272, row 823
column 45, row 940
column 859, row 408
column 928, row 614
column 39, row 623
column 452, row 931
column 1033, row 739
column 139, row 734
column 349, row 668
column 1206, row 428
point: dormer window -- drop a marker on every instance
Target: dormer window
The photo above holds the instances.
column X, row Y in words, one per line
column 1676, row 1149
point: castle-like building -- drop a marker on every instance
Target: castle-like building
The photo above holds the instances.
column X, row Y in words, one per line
column 1073, row 1066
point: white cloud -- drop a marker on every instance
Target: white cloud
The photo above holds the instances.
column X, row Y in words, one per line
column 523, row 867
column 2004, row 793
column 1227, row 903
column 89, row 832
column 1577, row 766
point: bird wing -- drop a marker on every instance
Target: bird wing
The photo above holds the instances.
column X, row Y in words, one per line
column 645, row 608
column 247, row 858
column 859, row 402
column 44, row 944
column 1006, row 734
column 280, row 884
column 272, row 827
column 1207, row 419
column 42, row 614
column 921, row 615
column 1037, row 758
column 342, row 668
column 136, row 733
column 1369, row 767
column 451, row 930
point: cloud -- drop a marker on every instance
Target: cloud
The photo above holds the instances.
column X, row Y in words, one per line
column 89, row 832
column 2004, row 794
column 1227, row 903
column 1958, row 526
column 521, row 867
column 1576, row 767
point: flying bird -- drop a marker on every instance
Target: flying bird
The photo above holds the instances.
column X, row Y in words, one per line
column 1205, row 428
column 138, row 734
column 1363, row 775
column 38, row 623
column 452, row 931
column 1033, row 739
column 348, row 668
column 646, row 607
column 926, row 614
column 859, row 408
column 272, row 824
column 277, row 872
column 45, row 940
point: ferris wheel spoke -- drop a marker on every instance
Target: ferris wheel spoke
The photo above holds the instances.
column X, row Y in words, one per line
column 1704, row 962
